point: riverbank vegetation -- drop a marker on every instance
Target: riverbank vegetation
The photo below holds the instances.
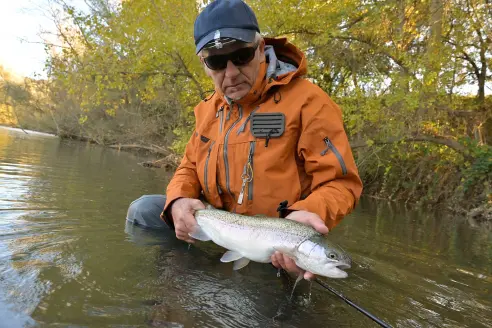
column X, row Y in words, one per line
column 413, row 80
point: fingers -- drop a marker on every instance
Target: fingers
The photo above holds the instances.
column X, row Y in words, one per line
column 290, row 265
column 196, row 204
column 275, row 261
column 309, row 275
column 309, row 218
column 282, row 261
column 183, row 235
column 183, row 211
column 319, row 225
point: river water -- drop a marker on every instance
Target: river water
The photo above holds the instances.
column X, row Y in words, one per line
column 67, row 259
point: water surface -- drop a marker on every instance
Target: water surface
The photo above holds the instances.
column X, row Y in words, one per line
column 68, row 260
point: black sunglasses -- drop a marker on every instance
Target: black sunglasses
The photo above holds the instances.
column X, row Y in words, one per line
column 239, row 57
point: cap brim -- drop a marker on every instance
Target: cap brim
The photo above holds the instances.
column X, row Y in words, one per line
column 239, row 34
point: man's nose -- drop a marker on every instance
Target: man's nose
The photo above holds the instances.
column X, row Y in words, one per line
column 231, row 69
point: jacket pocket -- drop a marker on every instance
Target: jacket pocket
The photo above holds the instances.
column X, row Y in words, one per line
column 205, row 170
column 331, row 146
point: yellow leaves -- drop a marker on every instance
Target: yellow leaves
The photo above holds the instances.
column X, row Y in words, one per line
column 82, row 119
column 111, row 111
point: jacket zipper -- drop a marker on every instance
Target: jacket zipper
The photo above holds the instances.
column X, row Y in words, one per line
column 330, row 145
column 247, row 175
column 220, row 115
column 206, row 165
column 251, row 153
column 243, row 126
column 226, row 163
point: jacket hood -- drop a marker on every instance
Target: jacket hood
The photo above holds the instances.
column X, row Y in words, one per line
column 283, row 62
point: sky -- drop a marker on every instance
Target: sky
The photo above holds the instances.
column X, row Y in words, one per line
column 20, row 19
column 20, row 24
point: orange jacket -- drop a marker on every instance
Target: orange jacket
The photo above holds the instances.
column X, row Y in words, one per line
column 310, row 165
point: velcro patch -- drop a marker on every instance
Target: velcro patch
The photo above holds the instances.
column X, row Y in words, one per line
column 267, row 125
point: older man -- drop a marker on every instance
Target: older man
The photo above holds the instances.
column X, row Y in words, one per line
column 266, row 136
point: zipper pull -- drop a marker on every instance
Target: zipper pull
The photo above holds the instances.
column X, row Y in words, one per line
column 268, row 136
column 220, row 110
column 246, row 178
column 328, row 146
column 241, row 194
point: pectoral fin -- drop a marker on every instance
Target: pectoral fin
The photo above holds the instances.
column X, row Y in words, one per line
column 199, row 234
column 241, row 263
column 230, row 256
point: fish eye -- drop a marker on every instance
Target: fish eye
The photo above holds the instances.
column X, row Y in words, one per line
column 332, row 256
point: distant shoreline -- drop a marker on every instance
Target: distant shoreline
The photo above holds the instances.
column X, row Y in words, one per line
column 6, row 127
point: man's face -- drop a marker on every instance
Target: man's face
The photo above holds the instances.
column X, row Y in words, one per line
column 235, row 81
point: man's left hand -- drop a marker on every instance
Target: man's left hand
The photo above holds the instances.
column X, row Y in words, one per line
column 280, row 260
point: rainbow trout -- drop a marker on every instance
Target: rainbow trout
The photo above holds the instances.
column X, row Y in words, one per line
column 256, row 238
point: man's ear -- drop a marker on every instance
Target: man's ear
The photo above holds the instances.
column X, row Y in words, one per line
column 262, row 49
column 262, row 45
column 205, row 68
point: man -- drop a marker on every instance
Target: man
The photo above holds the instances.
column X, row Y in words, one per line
column 266, row 136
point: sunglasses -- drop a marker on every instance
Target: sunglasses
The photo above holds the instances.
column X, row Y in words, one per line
column 239, row 57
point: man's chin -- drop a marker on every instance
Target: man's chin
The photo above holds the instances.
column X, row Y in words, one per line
column 237, row 94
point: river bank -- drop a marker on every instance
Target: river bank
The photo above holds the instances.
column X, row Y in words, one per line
column 444, row 196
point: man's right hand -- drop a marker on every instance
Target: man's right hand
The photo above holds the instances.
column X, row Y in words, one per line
column 182, row 211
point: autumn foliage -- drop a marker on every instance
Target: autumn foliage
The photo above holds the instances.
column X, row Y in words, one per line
column 412, row 78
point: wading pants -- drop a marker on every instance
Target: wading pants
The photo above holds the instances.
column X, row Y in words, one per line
column 145, row 212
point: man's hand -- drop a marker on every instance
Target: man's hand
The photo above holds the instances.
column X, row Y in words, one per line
column 280, row 260
column 183, row 210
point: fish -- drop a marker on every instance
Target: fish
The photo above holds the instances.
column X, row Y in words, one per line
column 256, row 238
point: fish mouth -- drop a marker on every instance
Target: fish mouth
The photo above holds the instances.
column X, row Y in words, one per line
column 344, row 266
column 336, row 271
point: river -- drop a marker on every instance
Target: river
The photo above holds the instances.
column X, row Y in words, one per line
column 67, row 258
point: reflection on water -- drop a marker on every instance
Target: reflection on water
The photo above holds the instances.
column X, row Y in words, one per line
column 68, row 259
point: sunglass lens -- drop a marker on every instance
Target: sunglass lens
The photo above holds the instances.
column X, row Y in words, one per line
column 239, row 57
column 216, row 62
column 243, row 56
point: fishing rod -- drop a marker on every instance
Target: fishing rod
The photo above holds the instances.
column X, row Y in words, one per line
column 349, row 302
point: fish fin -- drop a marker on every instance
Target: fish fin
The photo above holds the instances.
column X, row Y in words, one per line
column 241, row 263
column 199, row 234
column 230, row 256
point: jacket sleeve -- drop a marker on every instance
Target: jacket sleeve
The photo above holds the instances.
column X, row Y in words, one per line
column 185, row 182
column 324, row 148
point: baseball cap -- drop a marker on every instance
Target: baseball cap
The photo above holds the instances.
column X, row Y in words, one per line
column 224, row 21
